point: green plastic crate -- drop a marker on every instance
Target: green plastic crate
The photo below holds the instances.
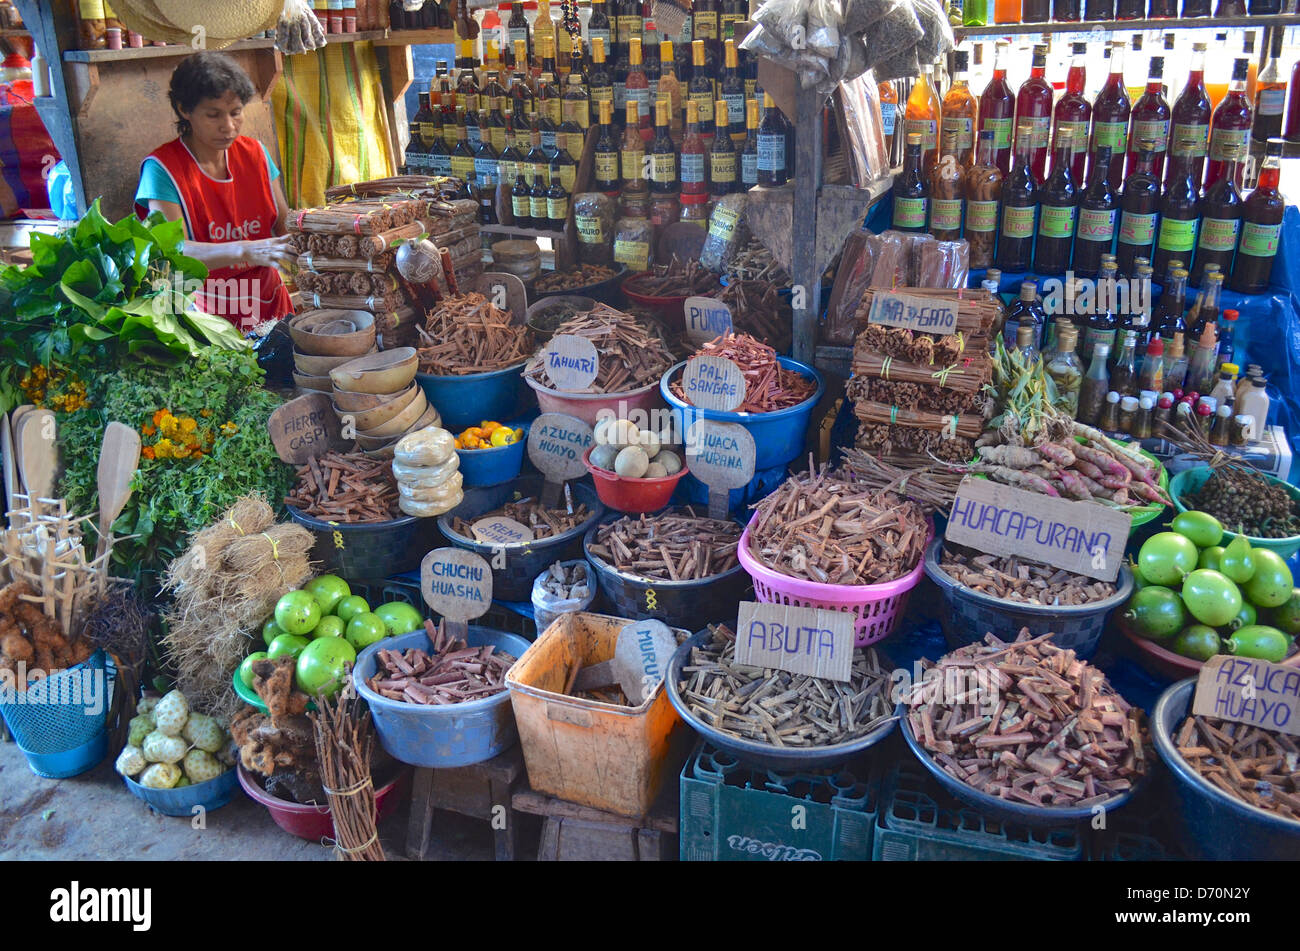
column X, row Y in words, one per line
column 735, row 812
column 919, row 822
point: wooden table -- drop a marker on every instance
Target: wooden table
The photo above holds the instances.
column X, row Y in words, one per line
column 571, row 832
column 481, row 791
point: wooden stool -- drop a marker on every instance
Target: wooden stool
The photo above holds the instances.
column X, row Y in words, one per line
column 473, row 791
column 573, row 833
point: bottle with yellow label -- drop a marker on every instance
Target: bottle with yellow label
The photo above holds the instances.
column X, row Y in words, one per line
column 663, row 154
column 700, row 89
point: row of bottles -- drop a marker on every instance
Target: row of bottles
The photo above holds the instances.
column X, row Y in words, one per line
column 984, row 12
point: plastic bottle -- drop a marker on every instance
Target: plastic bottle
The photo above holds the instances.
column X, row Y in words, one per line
column 1109, row 418
column 1175, row 368
column 1200, row 367
column 1227, row 327
column 1225, row 388
column 1253, row 400
column 1153, row 365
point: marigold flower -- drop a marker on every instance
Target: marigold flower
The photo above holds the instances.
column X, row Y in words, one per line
column 188, row 425
column 147, row 452
column 148, row 429
column 205, row 413
column 229, row 429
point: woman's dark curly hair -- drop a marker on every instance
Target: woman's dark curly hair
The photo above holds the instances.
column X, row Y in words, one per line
column 206, row 75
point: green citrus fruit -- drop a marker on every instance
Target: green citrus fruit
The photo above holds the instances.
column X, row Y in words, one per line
column 1211, row 597
column 1202, row 528
column 1197, row 642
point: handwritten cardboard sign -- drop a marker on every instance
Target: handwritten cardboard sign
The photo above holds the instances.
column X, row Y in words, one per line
column 721, row 455
column 915, row 313
column 556, row 442
column 810, row 641
column 505, row 291
column 641, row 656
column 457, row 584
column 305, row 428
column 706, row 319
column 1249, row 691
column 571, row 362
column 1082, row 537
column 500, row 530
column 713, row 383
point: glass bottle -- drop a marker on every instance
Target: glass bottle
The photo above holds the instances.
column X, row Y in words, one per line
column 704, row 21
column 732, row 90
column 1098, row 213
column 485, row 156
column 601, row 86
column 1151, row 119
column 1139, row 203
column 1291, row 130
column 1058, row 206
column 722, row 154
column 415, row 160
column 537, row 204
column 517, row 31
column 1205, row 311
column 1167, row 319
column 946, row 192
column 1034, row 109
column 1261, row 217
column 1152, row 376
column 557, row 204
column 922, row 116
column 998, row 107
column 1200, row 365
column 911, row 191
column 631, row 23
column 544, row 38
column 1270, row 95
column 1006, row 11
column 605, row 158
column 496, row 123
column 663, row 155
column 892, row 129
column 1065, row 11
column 537, row 161
column 1099, row 9
column 1019, row 206
column 423, row 121
column 1110, row 114
column 1180, row 211
column 1221, row 210
column 1026, row 346
column 510, row 158
column 1130, row 9
column 1175, row 368
column 700, row 90
column 731, row 13
column 1026, row 309
column 773, row 163
column 1073, row 111
column 1196, row 8
column 1066, row 370
column 693, row 157
column 520, row 204
column 1102, row 323
column 983, row 191
column 462, row 156
column 632, row 157
column 670, row 87
column 959, row 111
column 1189, row 129
column 1095, row 386
column 1230, row 130
column 749, row 152
column 467, row 89
column 1123, row 375
column 975, row 13
column 637, row 89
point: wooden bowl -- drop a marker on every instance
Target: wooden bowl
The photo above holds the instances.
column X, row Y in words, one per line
column 320, row 384
column 430, row 418
column 371, row 443
column 406, row 418
column 310, row 364
column 368, row 419
column 383, row 372
column 325, row 333
column 348, row 402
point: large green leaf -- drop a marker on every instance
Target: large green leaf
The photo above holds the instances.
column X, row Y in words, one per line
column 217, row 331
column 95, row 310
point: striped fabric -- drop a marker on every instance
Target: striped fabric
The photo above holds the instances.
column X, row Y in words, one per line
column 26, row 152
column 331, row 121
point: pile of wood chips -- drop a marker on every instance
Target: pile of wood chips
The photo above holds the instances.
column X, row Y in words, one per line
column 768, row 385
column 1024, row 582
column 346, row 487
column 468, row 334
column 544, row 522
column 453, row 673
column 670, row 546
column 631, row 355
column 1256, row 766
column 1028, row 722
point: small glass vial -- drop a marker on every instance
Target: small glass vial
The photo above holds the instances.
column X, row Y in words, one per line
column 1243, row 429
column 1142, row 421
column 1205, row 408
column 1221, row 428
column 1109, row 421
column 1128, row 407
column 1164, row 414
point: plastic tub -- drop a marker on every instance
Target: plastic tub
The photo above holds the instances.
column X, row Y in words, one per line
column 1215, row 824
column 313, row 823
column 1189, row 480
column 493, row 466
column 465, row 400
column 440, row 736
column 69, row 763
column 1164, row 664
column 606, row 291
column 595, row 754
column 206, row 796
column 1017, row 812
column 968, row 615
column 877, row 608
column 523, row 563
column 544, row 305
column 684, row 604
column 752, row 751
column 369, row 550
column 634, row 496
column 778, row 437
column 587, row 406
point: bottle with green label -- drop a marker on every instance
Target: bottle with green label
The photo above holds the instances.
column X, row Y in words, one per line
column 1098, row 214
column 1230, row 131
column 1110, row 114
column 1189, row 129
column 998, row 108
column 911, row 193
column 1139, row 206
column 1074, row 112
column 1220, row 226
column 1151, row 118
column 1261, row 225
column 1180, row 210
column 946, row 192
column 1019, row 207
column 982, row 189
column 1057, row 208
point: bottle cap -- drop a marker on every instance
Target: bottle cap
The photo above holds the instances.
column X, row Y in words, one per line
column 1166, row 402
column 1225, row 411
column 1102, row 349
column 1128, row 404
column 1229, row 369
column 1028, row 289
column 1230, row 314
column 993, row 274
column 1112, row 397
column 1146, row 403
column 1259, row 380
column 1156, row 348
column 1207, row 341
column 1151, row 393
column 1206, row 405
column 1244, row 420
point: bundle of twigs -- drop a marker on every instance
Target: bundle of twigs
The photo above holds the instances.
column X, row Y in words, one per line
column 345, row 739
column 45, row 550
column 119, row 622
column 675, row 279
column 426, row 186
column 359, row 217
column 468, row 334
column 933, row 487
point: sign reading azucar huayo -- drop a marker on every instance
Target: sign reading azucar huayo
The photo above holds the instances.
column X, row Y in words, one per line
column 1246, row 690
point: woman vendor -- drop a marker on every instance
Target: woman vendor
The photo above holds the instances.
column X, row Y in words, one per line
column 224, row 186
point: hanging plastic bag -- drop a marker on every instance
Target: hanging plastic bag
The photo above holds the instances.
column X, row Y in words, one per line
column 563, row 588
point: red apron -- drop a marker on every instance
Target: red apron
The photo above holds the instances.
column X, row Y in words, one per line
column 241, row 208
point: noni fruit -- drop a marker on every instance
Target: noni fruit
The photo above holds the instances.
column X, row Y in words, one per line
column 183, row 781
column 146, row 705
column 202, row 731
column 171, row 712
column 160, row 776
column 158, row 747
column 139, row 727
column 200, row 766
column 130, row 761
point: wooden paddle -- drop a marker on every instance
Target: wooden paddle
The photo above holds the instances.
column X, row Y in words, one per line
column 12, row 485
column 38, row 453
column 118, row 459
column 15, row 421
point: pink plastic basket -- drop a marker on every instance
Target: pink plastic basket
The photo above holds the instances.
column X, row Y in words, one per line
column 876, row 607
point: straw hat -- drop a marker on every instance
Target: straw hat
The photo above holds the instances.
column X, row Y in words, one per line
column 223, row 22
column 143, row 17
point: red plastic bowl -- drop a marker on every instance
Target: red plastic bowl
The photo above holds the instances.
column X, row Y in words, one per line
column 633, row 496
column 1162, row 662
column 670, row 310
column 313, row 823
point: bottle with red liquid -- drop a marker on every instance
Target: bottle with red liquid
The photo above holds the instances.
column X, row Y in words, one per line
column 1035, row 11
column 1130, row 9
column 1270, row 95
column 1098, row 211
column 1230, row 130
column 1179, row 212
column 998, row 108
column 1110, row 114
column 1058, row 205
column 1099, row 9
column 1220, row 226
column 1034, row 111
column 1065, row 11
column 1196, row 8
column 1261, row 224
column 1163, row 9
column 1189, row 128
column 693, row 154
column 1291, row 131
column 1139, row 207
column 1151, row 119
column 1073, row 112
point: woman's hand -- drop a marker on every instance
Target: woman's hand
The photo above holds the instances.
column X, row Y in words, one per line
column 269, row 252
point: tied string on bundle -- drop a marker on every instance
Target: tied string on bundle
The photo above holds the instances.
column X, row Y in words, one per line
column 942, row 375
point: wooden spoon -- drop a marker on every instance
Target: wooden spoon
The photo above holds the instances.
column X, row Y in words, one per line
column 118, row 459
column 15, row 422
column 12, row 484
column 38, row 453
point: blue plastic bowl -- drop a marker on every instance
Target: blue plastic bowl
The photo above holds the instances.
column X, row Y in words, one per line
column 778, row 436
column 1215, row 824
column 459, row 734
column 69, row 763
column 493, row 466
column 213, row 794
column 466, row 400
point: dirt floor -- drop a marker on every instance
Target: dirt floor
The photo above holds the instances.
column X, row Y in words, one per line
column 94, row 817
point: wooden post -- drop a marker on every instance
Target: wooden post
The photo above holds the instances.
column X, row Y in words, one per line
column 55, row 110
column 808, row 176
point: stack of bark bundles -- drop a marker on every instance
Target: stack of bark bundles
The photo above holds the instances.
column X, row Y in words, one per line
column 918, row 394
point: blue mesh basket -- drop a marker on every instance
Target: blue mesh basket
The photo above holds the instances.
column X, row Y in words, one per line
column 63, row 712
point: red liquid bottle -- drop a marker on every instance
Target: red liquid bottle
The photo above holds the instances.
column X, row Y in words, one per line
column 1130, row 9
column 1110, row 114
column 1230, row 130
column 1261, row 225
column 1179, row 212
column 1074, row 112
column 1163, row 9
column 1139, row 208
column 1291, row 131
column 1220, row 227
column 998, row 108
column 1189, row 130
column 1034, row 111
column 1151, row 119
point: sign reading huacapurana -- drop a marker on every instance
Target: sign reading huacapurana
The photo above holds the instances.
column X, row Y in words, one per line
column 811, row 641
column 895, row 309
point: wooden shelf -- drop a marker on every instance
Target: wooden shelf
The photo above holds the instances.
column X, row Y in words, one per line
column 523, row 232
column 178, row 49
column 11, row 32
column 417, row 37
column 1126, row 26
